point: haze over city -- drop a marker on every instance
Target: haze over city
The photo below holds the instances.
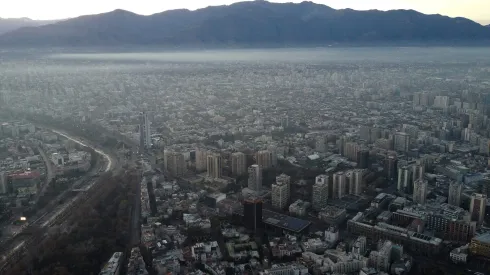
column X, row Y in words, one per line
column 477, row 10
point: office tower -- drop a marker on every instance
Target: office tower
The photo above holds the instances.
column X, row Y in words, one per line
column 420, row 191
column 356, row 181
column 252, row 214
column 320, row 192
column 145, row 131
column 255, row 177
column 477, row 207
column 390, row 167
column 238, row 164
column 339, row 185
column 405, row 180
column 201, row 160
column 418, row 172
column 175, row 163
column 401, row 141
column 264, row 159
column 454, row 197
column 281, row 191
column 214, row 166
column 363, row 159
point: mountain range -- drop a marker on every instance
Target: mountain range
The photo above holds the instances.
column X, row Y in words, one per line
column 11, row 24
column 251, row 23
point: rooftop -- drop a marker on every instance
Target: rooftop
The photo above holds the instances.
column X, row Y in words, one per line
column 284, row 221
column 484, row 238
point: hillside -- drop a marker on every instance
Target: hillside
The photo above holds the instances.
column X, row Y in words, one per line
column 11, row 24
column 250, row 23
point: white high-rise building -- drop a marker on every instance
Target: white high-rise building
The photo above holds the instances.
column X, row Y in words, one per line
column 405, row 179
column 281, row 191
column 201, row 160
column 214, row 166
column 255, row 177
column 320, row 192
column 339, row 185
column 356, row 181
column 454, row 197
column 420, row 191
column 238, row 164
column 145, row 131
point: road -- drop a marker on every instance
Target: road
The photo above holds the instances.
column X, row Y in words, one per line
column 49, row 173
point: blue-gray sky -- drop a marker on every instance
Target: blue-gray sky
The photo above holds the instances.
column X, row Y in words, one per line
column 478, row 10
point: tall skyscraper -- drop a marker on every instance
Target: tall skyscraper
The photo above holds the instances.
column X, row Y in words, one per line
column 252, row 214
column 454, row 197
column 405, row 180
column 356, row 181
column 255, row 178
column 238, row 164
column 214, row 166
column 420, row 191
column 145, row 131
column 320, row 192
column 264, row 159
column 390, row 167
column 363, row 159
column 401, row 141
column 339, row 185
column 477, row 207
column 201, row 160
column 281, row 191
column 273, row 150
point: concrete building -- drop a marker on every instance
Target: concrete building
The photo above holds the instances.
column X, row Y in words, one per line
column 175, row 163
column 255, row 178
column 264, row 159
column 145, row 131
column 480, row 245
column 356, row 181
column 113, row 266
column 201, row 160
column 214, row 166
column 418, row 172
column 401, row 142
column 3, row 182
column 420, row 191
column 320, row 192
column 454, row 196
column 390, row 167
column 339, row 185
column 477, row 207
column 238, row 164
column 281, row 191
column 405, row 179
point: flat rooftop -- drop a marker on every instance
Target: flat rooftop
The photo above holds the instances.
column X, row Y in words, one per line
column 484, row 238
column 284, row 221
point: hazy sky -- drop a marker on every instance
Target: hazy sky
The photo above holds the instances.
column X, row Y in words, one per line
column 478, row 10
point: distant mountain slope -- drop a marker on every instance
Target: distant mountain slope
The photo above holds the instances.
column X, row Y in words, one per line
column 10, row 24
column 250, row 23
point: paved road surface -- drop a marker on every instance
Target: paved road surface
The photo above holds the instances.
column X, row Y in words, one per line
column 49, row 173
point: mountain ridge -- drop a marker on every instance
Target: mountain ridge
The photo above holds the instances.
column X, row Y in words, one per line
column 11, row 24
column 250, row 23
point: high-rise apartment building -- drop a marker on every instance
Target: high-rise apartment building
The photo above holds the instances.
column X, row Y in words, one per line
column 356, row 181
column 401, row 141
column 281, row 191
column 201, row 160
column 145, row 131
column 339, row 185
column 390, row 167
column 420, row 191
column 255, row 178
column 175, row 163
column 320, row 192
column 264, row 159
column 418, row 172
column 454, row 196
column 405, row 179
column 363, row 159
column 214, row 165
column 238, row 164
column 477, row 207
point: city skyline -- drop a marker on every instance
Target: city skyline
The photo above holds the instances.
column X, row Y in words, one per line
column 473, row 9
